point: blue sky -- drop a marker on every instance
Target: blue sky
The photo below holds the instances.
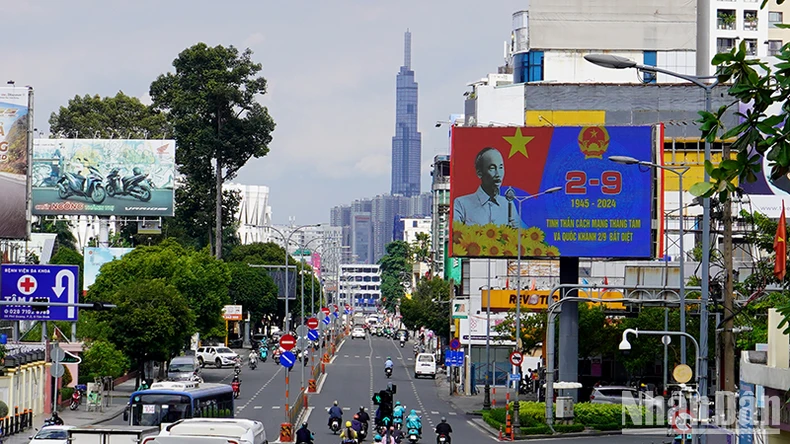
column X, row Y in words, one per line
column 330, row 65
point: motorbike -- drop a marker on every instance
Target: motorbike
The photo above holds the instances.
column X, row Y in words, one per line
column 76, row 399
column 414, row 436
column 334, row 425
column 397, row 422
column 71, row 184
column 388, row 372
column 277, row 359
column 236, row 389
column 137, row 185
column 402, row 343
column 443, row 439
column 253, row 363
column 364, row 432
column 264, row 354
column 196, row 378
column 237, row 369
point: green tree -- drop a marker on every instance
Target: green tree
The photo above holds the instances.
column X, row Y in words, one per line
column 62, row 228
column 396, row 269
column 211, row 100
column 195, row 274
column 68, row 256
column 429, row 306
column 109, row 117
column 421, row 248
column 152, row 321
column 101, row 359
column 253, row 289
column 533, row 329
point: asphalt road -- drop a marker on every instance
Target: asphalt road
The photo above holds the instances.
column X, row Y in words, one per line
column 12, row 200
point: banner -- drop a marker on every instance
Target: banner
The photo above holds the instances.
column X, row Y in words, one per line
column 537, row 300
column 14, row 125
column 557, row 186
column 103, row 177
column 94, row 258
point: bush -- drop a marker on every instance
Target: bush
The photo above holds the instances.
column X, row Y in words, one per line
column 66, row 378
column 66, row 392
column 3, row 409
column 536, row 430
column 606, row 427
column 569, row 428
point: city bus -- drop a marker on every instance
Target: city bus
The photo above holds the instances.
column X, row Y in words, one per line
column 167, row 402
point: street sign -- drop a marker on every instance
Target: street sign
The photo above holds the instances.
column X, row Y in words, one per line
column 312, row 323
column 514, row 377
column 336, row 308
column 454, row 358
column 336, row 314
column 39, row 283
column 301, row 331
column 57, row 370
column 516, row 358
column 287, row 342
column 681, row 421
column 313, row 334
column 325, row 310
column 56, row 354
column 348, row 312
column 302, row 343
column 287, row 359
column 682, row 373
column 326, row 320
column 232, row 313
column 455, row 344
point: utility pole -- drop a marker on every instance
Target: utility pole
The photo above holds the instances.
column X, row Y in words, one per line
column 728, row 339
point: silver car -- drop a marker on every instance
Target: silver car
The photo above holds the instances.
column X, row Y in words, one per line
column 616, row 394
column 183, row 368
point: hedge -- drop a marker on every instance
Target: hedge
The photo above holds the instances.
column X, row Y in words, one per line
column 66, row 392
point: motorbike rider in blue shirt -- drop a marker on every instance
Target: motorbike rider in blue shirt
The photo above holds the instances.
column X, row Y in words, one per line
column 335, row 412
column 414, row 422
column 398, row 412
column 388, row 363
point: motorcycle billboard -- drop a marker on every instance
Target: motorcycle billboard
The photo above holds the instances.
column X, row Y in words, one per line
column 15, row 123
column 103, row 177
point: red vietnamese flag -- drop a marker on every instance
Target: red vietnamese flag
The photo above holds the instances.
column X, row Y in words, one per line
column 780, row 246
column 605, row 284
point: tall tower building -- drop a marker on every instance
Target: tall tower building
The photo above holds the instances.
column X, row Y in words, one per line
column 407, row 143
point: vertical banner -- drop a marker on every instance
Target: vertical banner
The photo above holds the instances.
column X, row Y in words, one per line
column 14, row 134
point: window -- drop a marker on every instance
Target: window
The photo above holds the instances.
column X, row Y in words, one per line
column 774, row 18
column 725, row 19
column 750, row 20
column 774, row 47
column 724, row 44
column 751, row 47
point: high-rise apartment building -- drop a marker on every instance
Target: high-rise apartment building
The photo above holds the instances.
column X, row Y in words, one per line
column 254, row 213
column 407, row 142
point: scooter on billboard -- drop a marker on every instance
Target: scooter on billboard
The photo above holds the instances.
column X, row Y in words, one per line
column 137, row 185
column 71, row 184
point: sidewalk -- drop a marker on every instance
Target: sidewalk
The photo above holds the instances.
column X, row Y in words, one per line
column 80, row 417
column 470, row 403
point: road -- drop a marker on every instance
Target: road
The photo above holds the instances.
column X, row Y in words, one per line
column 13, row 223
column 353, row 376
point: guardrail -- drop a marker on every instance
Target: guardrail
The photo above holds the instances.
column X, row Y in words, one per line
column 16, row 423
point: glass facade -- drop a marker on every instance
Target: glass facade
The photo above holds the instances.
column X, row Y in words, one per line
column 528, row 67
column 407, row 143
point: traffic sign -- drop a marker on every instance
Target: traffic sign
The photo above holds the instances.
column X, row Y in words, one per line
column 56, row 354
column 455, row 344
column 301, row 331
column 325, row 310
column 681, row 421
column 57, row 370
column 287, row 342
column 287, row 359
column 454, row 358
column 336, row 314
column 514, row 377
column 336, row 309
column 313, row 334
column 39, row 283
column 348, row 307
column 682, row 373
column 302, row 343
column 516, row 358
column 326, row 320
column 312, row 323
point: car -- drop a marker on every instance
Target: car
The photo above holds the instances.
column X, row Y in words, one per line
column 211, row 431
column 617, row 394
column 52, row 435
column 425, row 365
column 183, row 368
column 358, row 332
column 218, row 356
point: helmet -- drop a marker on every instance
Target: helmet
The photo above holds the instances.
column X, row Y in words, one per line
column 389, row 359
column 335, row 402
column 304, row 424
column 348, row 423
column 444, row 419
column 54, row 414
column 377, row 438
column 413, row 412
column 397, row 402
column 356, row 416
column 136, row 171
column 361, row 408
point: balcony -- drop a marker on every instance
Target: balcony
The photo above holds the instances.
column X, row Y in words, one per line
column 750, row 20
column 725, row 19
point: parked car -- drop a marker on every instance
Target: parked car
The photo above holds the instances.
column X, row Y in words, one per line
column 617, row 394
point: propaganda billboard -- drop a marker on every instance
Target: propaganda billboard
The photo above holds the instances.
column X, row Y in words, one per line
column 15, row 122
column 594, row 208
column 102, row 177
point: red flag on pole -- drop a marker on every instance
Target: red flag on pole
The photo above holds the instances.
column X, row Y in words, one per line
column 605, row 283
column 780, row 246
column 534, row 285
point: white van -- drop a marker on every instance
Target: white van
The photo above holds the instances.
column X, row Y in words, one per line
column 211, row 431
column 425, row 365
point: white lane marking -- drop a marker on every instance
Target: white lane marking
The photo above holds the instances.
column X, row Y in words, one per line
column 414, row 388
column 487, row 433
column 349, row 408
column 345, row 356
column 418, row 411
column 258, row 407
column 357, row 356
column 436, row 413
column 321, row 384
column 378, row 357
column 275, row 407
column 453, row 413
column 262, row 387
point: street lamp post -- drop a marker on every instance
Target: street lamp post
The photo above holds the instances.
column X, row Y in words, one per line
column 679, row 171
column 487, row 387
column 617, row 62
column 510, row 195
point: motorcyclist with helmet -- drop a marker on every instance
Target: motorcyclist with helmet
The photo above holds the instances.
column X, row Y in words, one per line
column 356, row 424
column 397, row 413
column 443, row 429
column 414, row 422
column 304, row 435
column 348, row 434
column 335, row 412
column 388, row 363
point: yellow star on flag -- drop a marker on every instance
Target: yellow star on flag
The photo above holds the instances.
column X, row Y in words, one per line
column 518, row 143
column 779, row 239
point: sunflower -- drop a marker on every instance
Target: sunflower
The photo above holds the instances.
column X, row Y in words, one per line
column 539, row 251
column 457, row 235
column 491, row 231
column 507, row 233
column 552, row 252
column 494, row 250
column 474, row 244
column 508, row 253
column 534, row 234
column 459, row 250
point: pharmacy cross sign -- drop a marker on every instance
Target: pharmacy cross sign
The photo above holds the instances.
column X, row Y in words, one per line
column 27, row 284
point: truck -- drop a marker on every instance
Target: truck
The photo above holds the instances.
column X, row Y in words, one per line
column 120, row 434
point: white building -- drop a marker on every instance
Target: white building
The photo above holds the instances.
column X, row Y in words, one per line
column 254, row 213
column 412, row 226
column 321, row 239
column 360, row 286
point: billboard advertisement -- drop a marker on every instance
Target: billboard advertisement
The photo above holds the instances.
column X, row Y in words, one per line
column 15, row 122
column 94, row 258
column 556, row 186
column 103, row 177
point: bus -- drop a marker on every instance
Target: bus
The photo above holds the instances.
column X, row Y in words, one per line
column 167, row 402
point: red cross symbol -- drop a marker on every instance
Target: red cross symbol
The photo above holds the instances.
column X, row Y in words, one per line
column 27, row 284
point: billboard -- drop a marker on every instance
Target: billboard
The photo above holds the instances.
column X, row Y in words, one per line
column 595, row 208
column 94, row 258
column 15, row 122
column 103, row 177
column 537, row 300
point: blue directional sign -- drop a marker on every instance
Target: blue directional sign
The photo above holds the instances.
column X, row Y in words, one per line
column 39, row 283
column 312, row 335
column 336, row 314
column 287, row 359
column 348, row 312
column 514, row 377
column 454, row 358
column 326, row 320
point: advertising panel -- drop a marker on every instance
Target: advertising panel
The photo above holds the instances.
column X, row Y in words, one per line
column 14, row 124
column 232, row 313
column 39, row 283
column 537, row 300
column 94, row 258
column 561, row 189
column 103, row 177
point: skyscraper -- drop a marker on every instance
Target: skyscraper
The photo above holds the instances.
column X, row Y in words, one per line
column 407, row 143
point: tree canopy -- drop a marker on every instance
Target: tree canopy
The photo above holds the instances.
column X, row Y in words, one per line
column 396, row 269
column 429, row 306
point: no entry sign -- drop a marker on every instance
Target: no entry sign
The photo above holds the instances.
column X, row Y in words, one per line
column 325, row 310
column 287, row 342
column 312, row 323
column 516, row 358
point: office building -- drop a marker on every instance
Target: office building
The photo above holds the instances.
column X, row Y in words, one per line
column 407, row 142
column 360, row 286
column 254, row 213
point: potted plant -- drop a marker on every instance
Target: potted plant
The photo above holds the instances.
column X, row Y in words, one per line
column 726, row 20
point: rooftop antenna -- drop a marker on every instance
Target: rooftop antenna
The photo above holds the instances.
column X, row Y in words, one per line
column 407, row 49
